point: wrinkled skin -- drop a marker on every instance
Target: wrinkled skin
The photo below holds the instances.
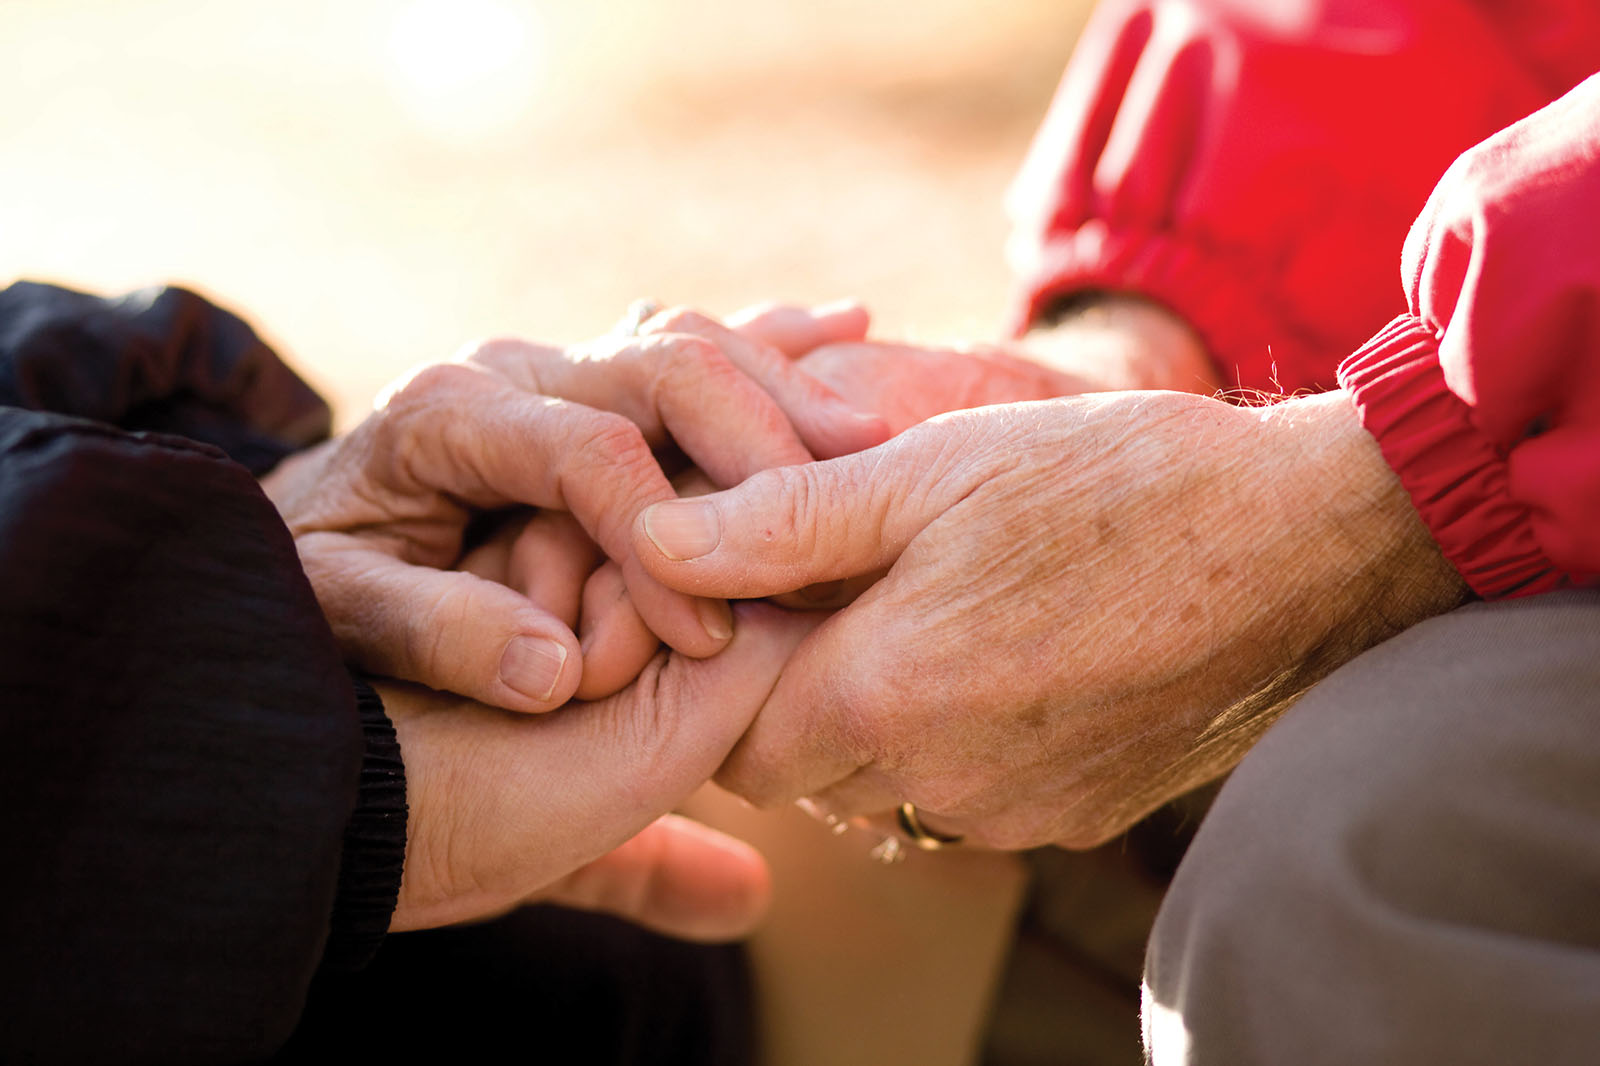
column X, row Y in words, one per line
column 380, row 514
column 508, row 808
column 906, row 384
column 1115, row 343
column 1091, row 605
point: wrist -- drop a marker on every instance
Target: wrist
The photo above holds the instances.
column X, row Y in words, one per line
column 1118, row 342
column 1375, row 563
column 374, row 842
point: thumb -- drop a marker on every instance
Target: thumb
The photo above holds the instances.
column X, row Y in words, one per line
column 677, row 877
column 507, row 807
column 615, row 766
column 794, row 526
column 449, row 630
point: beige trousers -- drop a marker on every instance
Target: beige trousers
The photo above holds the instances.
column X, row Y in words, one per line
column 1406, row 869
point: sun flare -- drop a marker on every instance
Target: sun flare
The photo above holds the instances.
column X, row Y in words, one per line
column 466, row 67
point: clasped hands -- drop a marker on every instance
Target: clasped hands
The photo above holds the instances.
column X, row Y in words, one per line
column 1073, row 608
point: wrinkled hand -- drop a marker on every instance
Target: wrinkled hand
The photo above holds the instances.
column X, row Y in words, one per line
column 379, row 514
column 908, row 383
column 1092, row 604
column 1110, row 343
column 571, row 807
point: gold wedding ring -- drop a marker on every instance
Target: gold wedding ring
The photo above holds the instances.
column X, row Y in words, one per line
column 921, row 835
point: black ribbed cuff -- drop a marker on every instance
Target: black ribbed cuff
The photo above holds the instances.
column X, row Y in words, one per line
column 374, row 843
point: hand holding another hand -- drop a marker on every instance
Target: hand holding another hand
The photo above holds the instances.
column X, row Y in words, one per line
column 908, row 383
column 1108, row 343
column 379, row 514
column 509, row 808
column 1092, row 604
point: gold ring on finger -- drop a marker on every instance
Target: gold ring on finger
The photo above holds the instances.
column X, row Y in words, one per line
column 921, row 835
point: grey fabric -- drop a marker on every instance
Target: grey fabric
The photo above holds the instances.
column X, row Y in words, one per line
column 1406, row 869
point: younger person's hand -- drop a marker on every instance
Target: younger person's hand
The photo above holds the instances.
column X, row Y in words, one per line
column 572, row 807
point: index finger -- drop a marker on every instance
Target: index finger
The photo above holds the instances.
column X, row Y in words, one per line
column 668, row 385
column 520, row 448
column 826, row 423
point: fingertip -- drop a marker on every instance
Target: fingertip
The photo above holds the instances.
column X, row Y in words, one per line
column 615, row 650
column 539, row 671
column 722, row 889
column 616, row 642
column 842, row 320
column 717, row 619
column 869, row 430
column 694, row 627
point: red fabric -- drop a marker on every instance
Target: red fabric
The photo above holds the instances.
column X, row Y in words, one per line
column 1485, row 396
column 1254, row 164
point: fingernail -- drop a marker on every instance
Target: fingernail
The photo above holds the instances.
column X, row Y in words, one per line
column 683, row 529
column 834, row 307
column 532, row 666
column 717, row 618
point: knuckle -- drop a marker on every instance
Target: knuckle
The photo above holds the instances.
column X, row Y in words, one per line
column 428, row 384
column 488, row 349
column 504, row 356
column 426, row 637
column 803, row 508
column 609, row 439
column 614, row 470
column 685, row 360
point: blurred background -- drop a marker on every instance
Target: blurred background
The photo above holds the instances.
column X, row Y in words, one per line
column 374, row 182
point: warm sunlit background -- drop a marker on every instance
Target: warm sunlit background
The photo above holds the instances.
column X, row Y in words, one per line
column 376, row 181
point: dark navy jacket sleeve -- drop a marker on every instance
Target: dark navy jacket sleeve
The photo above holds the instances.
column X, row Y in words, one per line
column 180, row 746
column 161, row 359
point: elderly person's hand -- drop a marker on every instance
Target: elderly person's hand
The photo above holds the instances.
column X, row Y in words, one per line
column 379, row 515
column 1092, row 604
column 571, row 807
column 910, row 383
column 1111, row 343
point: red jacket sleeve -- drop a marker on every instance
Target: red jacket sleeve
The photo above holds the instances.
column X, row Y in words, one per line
column 1253, row 164
column 1485, row 396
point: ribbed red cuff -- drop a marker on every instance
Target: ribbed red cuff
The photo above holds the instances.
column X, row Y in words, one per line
column 1456, row 476
column 1252, row 346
